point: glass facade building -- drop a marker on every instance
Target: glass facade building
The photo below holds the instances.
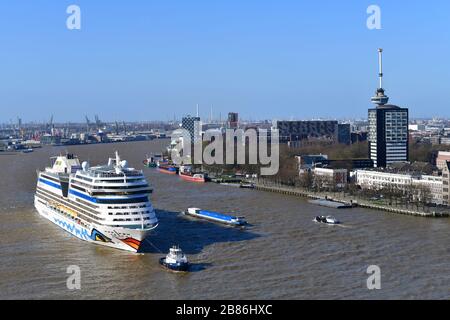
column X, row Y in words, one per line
column 388, row 135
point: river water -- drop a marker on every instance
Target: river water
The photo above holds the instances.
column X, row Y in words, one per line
column 282, row 255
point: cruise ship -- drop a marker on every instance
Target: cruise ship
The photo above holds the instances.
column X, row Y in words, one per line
column 107, row 205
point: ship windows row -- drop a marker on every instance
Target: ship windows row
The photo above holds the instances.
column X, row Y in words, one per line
column 56, row 198
column 50, row 178
column 121, row 201
column 83, row 178
column 136, row 219
column 75, row 182
column 132, row 207
column 129, row 193
column 128, row 213
column 122, row 181
column 121, row 187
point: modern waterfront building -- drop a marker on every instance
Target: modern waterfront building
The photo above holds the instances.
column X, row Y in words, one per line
column 405, row 182
column 388, row 128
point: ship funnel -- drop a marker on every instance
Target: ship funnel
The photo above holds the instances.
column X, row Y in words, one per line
column 117, row 158
column 85, row 166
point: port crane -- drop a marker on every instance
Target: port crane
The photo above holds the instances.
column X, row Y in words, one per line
column 88, row 124
column 49, row 125
column 117, row 128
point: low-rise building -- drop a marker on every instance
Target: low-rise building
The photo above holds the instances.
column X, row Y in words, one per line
column 330, row 178
column 446, row 184
column 445, row 140
column 48, row 139
column 349, row 164
column 432, row 186
column 441, row 160
column 417, row 127
column 308, row 162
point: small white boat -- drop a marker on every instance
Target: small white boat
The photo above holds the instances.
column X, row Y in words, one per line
column 247, row 185
column 326, row 220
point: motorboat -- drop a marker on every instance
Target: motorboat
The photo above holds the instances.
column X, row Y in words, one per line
column 326, row 220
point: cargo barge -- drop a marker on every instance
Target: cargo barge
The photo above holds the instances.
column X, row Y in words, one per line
column 330, row 204
column 167, row 168
column 216, row 217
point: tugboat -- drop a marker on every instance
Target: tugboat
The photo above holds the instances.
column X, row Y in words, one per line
column 176, row 260
column 187, row 174
column 326, row 220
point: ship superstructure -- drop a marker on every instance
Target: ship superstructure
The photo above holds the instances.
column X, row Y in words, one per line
column 107, row 204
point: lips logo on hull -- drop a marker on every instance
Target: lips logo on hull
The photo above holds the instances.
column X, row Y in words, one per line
column 135, row 244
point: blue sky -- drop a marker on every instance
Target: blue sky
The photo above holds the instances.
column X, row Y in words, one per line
column 151, row 59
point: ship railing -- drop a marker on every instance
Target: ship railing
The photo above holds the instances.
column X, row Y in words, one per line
column 115, row 175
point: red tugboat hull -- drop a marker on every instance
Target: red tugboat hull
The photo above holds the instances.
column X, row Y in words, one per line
column 192, row 178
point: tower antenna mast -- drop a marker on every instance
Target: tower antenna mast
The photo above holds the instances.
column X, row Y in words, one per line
column 380, row 62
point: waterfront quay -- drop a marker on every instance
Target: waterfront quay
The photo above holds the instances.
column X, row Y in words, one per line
column 347, row 199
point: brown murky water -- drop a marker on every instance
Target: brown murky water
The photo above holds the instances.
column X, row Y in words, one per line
column 283, row 255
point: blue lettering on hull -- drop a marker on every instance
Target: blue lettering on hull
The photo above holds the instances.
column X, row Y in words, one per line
column 73, row 229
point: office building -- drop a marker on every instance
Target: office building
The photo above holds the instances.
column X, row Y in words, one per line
column 344, row 133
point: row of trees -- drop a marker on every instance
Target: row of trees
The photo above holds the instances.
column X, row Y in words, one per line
column 409, row 195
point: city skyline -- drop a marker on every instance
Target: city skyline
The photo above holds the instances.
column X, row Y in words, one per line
column 153, row 61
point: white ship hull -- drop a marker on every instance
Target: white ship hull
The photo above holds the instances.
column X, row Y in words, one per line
column 119, row 238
